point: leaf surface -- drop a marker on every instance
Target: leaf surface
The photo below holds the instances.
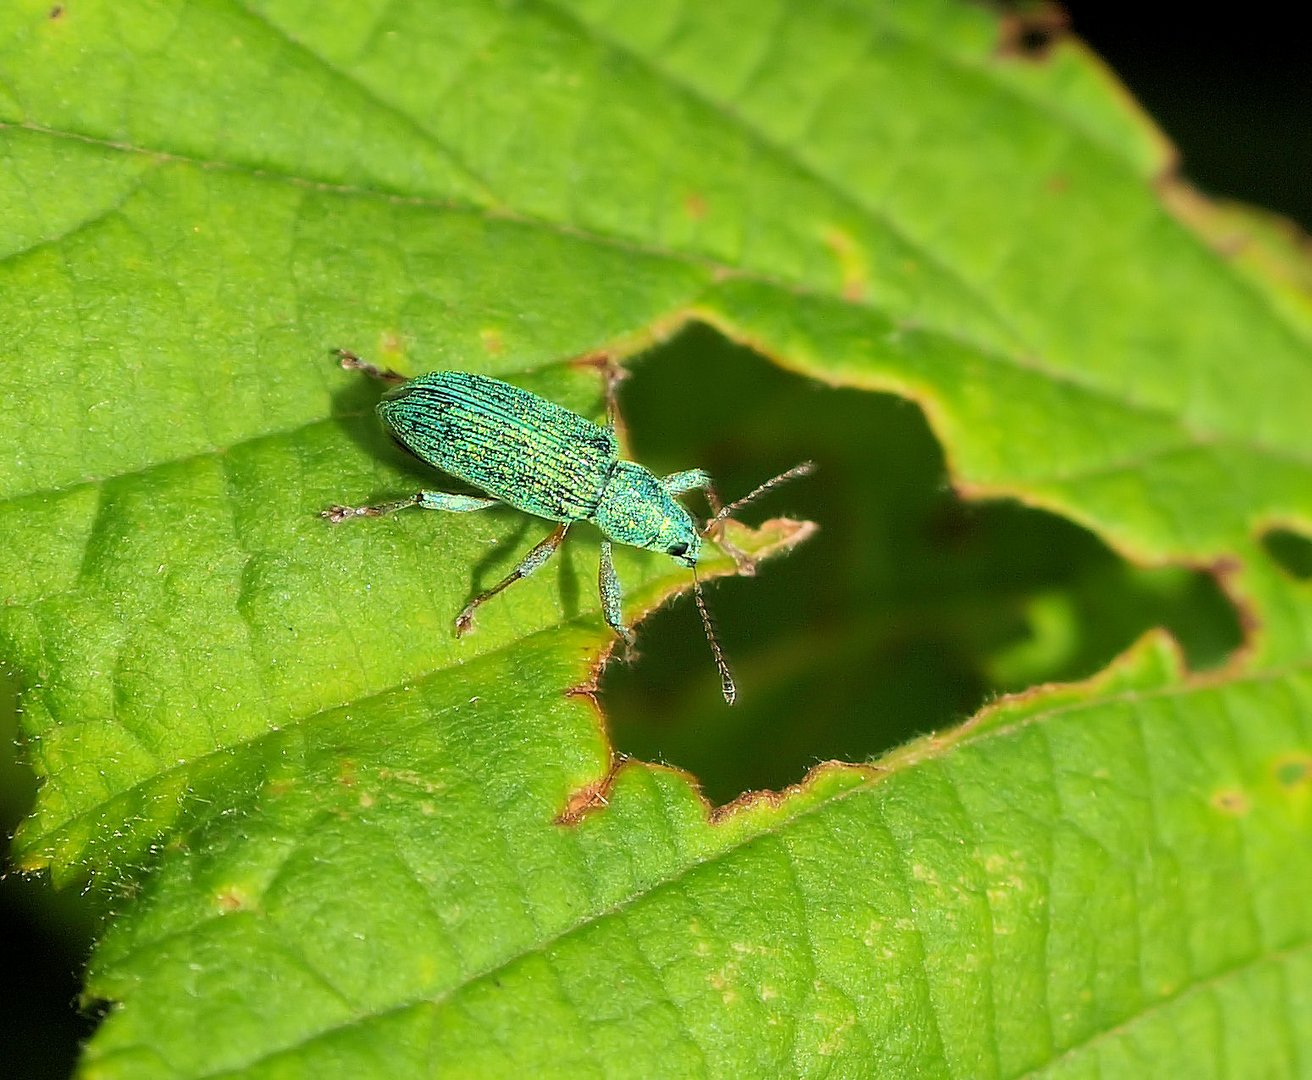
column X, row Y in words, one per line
column 332, row 830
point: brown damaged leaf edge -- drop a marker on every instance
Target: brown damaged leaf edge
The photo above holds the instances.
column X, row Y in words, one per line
column 1032, row 33
column 596, row 796
column 775, row 799
column 1031, row 37
column 989, row 721
column 776, row 536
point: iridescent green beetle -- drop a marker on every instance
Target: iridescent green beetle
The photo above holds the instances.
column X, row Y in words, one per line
column 545, row 460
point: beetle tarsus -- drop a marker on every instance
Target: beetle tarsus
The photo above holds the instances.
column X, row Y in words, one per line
column 338, row 514
column 351, row 362
column 744, row 563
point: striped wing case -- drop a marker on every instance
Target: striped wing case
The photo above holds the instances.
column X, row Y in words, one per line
column 513, row 444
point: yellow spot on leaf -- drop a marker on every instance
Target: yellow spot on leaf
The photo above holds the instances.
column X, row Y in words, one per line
column 1292, row 772
column 391, row 351
column 1231, row 802
column 493, row 343
column 853, row 270
column 231, row 899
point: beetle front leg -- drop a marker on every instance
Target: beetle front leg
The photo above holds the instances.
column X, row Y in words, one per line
column 612, row 597
column 744, row 563
column 428, row 500
column 530, row 562
column 614, row 374
column 692, row 480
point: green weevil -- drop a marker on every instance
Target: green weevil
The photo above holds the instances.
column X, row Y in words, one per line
column 539, row 457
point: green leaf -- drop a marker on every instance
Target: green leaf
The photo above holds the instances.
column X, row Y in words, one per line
column 335, row 840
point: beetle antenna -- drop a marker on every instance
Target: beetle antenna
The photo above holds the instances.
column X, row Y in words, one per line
column 726, row 676
column 804, row 469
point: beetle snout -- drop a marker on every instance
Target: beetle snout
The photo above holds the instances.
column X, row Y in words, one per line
column 683, row 552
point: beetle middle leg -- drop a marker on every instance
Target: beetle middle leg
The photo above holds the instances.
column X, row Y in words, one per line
column 700, row 480
column 612, row 597
column 692, row 480
column 428, row 500
column 532, row 561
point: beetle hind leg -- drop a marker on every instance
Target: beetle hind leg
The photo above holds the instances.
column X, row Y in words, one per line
column 351, row 362
column 531, row 562
column 428, row 500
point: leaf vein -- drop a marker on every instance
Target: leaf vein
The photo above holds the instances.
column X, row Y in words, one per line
column 423, row 133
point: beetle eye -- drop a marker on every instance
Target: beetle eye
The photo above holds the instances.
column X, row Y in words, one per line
column 677, row 550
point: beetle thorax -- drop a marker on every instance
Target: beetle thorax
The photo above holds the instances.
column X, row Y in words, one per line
column 635, row 509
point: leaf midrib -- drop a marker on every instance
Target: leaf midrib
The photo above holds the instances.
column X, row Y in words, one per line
column 687, row 311
column 700, row 260
column 1160, row 1005
column 345, row 77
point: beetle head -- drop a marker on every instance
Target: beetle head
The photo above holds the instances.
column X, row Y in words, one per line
column 678, row 538
column 635, row 509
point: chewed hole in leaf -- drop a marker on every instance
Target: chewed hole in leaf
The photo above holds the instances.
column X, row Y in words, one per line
column 46, row 934
column 1292, row 552
column 906, row 611
column 46, row 944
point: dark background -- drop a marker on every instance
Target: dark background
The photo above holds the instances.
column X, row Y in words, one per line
column 1229, row 86
column 1230, row 92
